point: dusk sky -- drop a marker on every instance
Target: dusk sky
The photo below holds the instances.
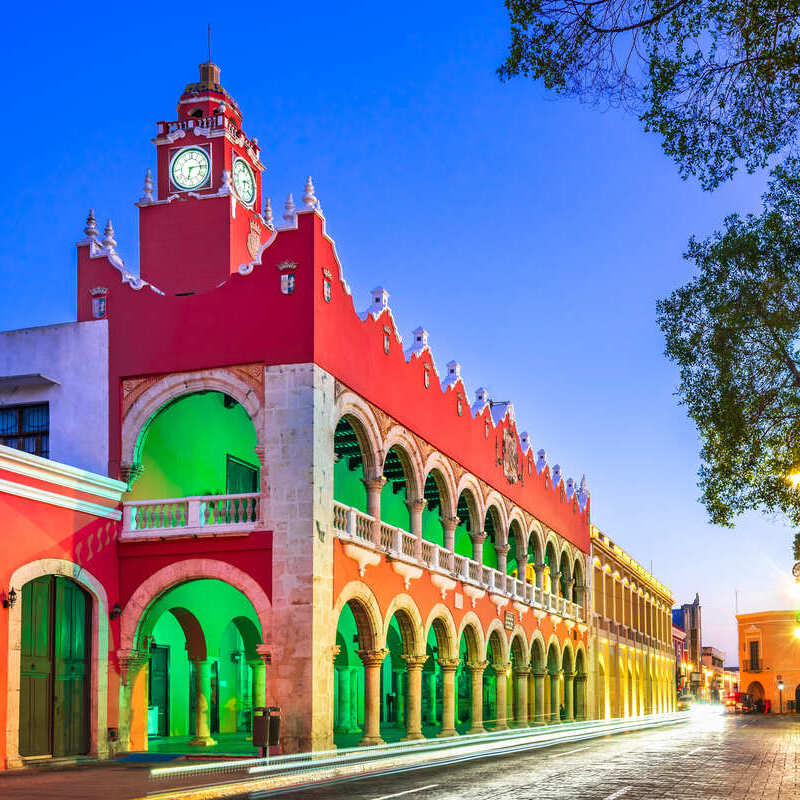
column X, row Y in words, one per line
column 530, row 234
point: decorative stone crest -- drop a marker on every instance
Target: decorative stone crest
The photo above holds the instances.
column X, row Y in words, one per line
column 510, row 456
column 254, row 239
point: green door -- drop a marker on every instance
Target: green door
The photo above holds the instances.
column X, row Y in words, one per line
column 36, row 669
column 54, row 686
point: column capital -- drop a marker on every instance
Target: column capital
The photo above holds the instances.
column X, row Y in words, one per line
column 501, row 669
column 539, row 673
column 414, row 662
column 449, row 523
column 264, row 652
column 476, row 666
column 372, row 658
column 335, row 650
column 374, row 484
column 580, row 678
column 522, row 672
column 502, row 549
column 568, row 676
column 477, row 536
column 554, row 673
column 130, row 661
column 449, row 664
column 416, row 505
column 130, row 472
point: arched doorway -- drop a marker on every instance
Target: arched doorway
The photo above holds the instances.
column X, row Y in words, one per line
column 55, row 675
column 466, row 512
column 756, row 691
column 204, row 673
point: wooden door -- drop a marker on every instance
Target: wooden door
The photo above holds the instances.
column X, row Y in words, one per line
column 159, row 686
column 54, row 669
column 240, row 477
column 71, row 669
column 36, row 669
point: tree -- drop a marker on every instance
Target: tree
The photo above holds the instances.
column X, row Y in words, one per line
column 734, row 333
column 718, row 80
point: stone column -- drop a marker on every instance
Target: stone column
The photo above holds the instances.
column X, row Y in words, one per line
column 555, row 699
column 555, row 582
column 502, row 558
column 449, row 667
column 539, row 715
column 568, row 705
column 478, row 538
column 202, row 705
column 570, row 584
column 373, row 487
column 372, row 660
column 130, row 665
column 345, row 686
column 539, row 570
column 449, row 525
column 500, row 671
column 521, row 676
column 580, row 710
column 415, row 509
column 476, row 669
column 414, row 666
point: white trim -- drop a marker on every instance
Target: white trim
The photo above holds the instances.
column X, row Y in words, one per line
column 46, row 469
column 43, row 496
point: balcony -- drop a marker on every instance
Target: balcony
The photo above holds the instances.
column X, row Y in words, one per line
column 754, row 666
column 210, row 515
column 356, row 527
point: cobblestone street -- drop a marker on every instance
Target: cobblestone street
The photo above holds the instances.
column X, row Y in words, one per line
column 743, row 757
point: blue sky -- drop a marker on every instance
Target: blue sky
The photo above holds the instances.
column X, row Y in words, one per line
column 531, row 235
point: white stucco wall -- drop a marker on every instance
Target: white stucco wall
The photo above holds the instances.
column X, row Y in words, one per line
column 76, row 355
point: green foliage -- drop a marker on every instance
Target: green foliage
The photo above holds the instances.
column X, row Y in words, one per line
column 733, row 332
column 797, row 547
column 718, row 81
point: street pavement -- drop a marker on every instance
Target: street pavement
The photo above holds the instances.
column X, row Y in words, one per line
column 749, row 757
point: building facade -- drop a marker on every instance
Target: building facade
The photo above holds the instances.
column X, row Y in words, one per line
column 632, row 658
column 313, row 516
column 769, row 657
column 713, row 661
column 681, row 659
column 689, row 619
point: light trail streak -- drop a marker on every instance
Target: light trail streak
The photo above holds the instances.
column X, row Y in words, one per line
column 619, row 792
column 407, row 791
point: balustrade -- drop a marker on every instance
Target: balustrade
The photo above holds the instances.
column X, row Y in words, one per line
column 358, row 526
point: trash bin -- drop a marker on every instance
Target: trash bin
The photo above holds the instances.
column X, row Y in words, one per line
column 274, row 725
column 260, row 727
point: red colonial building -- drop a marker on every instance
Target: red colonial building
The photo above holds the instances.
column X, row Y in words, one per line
column 301, row 509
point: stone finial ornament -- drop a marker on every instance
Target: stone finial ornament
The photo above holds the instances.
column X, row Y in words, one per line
column 541, row 460
column 289, row 214
column 309, row 201
column 556, row 475
column 481, row 399
column 453, row 374
column 268, row 213
column 91, row 225
column 147, row 191
column 419, row 343
column 583, row 493
column 525, row 441
column 109, row 242
column 570, row 488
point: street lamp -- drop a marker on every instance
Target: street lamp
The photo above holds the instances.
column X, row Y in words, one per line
column 780, row 690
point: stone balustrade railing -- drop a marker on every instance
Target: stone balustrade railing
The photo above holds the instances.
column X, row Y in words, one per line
column 354, row 525
column 211, row 515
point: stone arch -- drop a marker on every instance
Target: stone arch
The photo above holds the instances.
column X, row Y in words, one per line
column 518, row 646
column 496, row 633
column 445, row 482
column 98, row 693
column 521, row 553
column 410, row 621
column 250, row 636
column 444, row 628
column 567, row 656
column 472, row 630
column 196, row 645
column 410, row 459
column 350, row 407
column 538, row 652
column 553, row 653
column 536, row 533
column 470, row 484
column 366, row 611
column 138, row 417
column 495, row 500
column 181, row 572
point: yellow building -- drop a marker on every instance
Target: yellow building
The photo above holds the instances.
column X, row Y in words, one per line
column 769, row 657
column 631, row 650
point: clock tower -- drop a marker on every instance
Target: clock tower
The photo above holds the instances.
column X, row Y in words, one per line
column 203, row 221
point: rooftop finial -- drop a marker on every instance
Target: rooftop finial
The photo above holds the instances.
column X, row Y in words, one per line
column 91, row 225
column 147, row 195
column 289, row 215
column 108, row 237
column 268, row 213
column 309, row 201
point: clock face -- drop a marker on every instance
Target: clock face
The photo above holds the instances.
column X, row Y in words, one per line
column 189, row 168
column 244, row 181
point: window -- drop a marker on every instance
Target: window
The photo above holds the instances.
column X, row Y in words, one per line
column 754, row 659
column 26, row 428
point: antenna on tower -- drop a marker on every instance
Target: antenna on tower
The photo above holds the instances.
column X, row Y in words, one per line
column 209, row 42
